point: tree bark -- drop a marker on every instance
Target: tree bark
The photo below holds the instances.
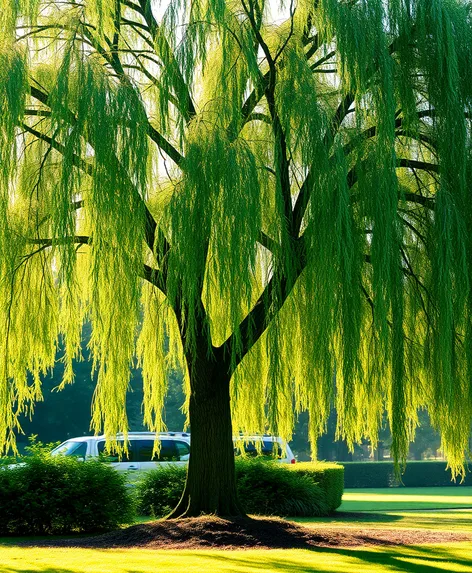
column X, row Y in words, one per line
column 211, row 483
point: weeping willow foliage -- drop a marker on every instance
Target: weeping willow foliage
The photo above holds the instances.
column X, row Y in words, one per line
column 282, row 185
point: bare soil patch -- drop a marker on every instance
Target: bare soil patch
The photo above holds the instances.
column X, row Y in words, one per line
column 258, row 533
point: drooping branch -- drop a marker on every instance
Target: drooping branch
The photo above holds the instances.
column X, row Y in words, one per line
column 186, row 107
column 282, row 163
column 341, row 112
column 151, row 225
column 303, row 198
column 111, row 57
column 152, row 275
column 267, row 306
column 265, row 309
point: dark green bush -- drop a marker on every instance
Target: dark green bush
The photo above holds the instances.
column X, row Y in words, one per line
column 269, row 488
column 264, row 487
column 369, row 474
column 417, row 474
column 58, row 495
column 328, row 476
column 160, row 490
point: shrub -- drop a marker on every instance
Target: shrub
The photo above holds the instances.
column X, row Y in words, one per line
column 160, row 490
column 328, row 476
column 58, row 495
column 369, row 474
column 417, row 474
column 269, row 488
column 264, row 488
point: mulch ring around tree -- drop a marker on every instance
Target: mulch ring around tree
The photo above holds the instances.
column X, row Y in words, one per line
column 259, row 533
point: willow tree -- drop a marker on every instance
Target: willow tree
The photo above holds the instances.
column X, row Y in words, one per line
column 264, row 192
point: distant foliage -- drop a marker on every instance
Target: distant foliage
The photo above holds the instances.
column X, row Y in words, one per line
column 264, row 488
column 46, row 495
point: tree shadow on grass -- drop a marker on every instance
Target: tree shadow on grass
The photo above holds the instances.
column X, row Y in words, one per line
column 412, row 559
column 210, row 532
column 38, row 569
column 359, row 560
column 352, row 516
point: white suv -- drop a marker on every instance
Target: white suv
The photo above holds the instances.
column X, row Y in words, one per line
column 175, row 448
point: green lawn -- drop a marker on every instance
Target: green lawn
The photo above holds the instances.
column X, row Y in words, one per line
column 426, row 559
column 460, row 520
column 406, row 498
column 399, row 508
column 361, row 509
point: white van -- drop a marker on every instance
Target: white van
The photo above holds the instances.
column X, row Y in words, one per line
column 175, row 449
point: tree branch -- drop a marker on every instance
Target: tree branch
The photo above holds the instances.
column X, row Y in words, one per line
column 303, row 198
column 151, row 225
column 186, row 107
column 282, row 163
column 266, row 307
column 341, row 112
column 153, row 276
column 113, row 60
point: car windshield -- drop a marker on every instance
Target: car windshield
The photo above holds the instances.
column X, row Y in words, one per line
column 71, row 448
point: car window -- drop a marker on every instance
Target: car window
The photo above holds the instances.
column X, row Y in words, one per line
column 144, row 449
column 271, row 449
column 114, row 457
column 183, row 449
column 76, row 449
column 268, row 448
column 167, row 453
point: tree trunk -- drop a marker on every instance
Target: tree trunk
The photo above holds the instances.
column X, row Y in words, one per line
column 211, row 483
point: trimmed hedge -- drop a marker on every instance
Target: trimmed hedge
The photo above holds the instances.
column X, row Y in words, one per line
column 264, row 488
column 329, row 477
column 417, row 474
column 57, row 495
column 269, row 488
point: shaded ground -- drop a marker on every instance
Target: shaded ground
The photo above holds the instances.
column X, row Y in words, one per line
column 217, row 533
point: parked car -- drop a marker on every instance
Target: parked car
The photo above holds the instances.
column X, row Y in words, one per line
column 175, row 448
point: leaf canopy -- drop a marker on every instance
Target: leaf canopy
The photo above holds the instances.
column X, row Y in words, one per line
column 285, row 181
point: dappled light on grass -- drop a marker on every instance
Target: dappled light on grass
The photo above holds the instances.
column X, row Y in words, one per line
column 426, row 559
column 432, row 520
column 406, row 498
column 399, row 508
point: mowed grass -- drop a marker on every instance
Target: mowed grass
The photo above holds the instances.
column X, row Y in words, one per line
column 460, row 520
column 443, row 508
column 406, row 498
column 361, row 509
column 425, row 559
